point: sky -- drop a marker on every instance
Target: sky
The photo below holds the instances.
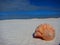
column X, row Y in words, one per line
column 29, row 8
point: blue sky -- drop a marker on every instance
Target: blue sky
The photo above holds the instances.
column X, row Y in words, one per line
column 29, row 8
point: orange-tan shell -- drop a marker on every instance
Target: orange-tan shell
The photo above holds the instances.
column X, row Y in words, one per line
column 45, row 32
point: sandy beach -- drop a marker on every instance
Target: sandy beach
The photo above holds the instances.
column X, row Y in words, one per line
column 19, row 31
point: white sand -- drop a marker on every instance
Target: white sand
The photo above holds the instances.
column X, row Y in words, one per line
column 19, row 32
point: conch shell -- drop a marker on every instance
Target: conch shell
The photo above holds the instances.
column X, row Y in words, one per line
column 45, row 32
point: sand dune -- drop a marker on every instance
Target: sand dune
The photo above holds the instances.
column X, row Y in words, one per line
column 19, row 32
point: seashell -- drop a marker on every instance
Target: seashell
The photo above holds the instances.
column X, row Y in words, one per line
column 45, row 32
